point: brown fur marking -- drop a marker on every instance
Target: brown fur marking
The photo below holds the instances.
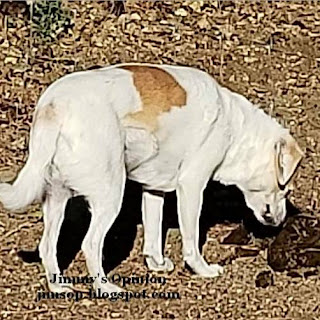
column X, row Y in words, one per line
column 296, row 154
column 290, row 147
column 159, row 92
column 295, row 151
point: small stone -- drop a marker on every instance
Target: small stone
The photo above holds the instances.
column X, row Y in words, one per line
column 181, row 12
column 196, row 5
column 12, row 60
column 264, row 279
column 135, row 16
column 116, row 315
column 203, row 23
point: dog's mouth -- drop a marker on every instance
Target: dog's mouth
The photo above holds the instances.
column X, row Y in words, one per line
column 269, row 220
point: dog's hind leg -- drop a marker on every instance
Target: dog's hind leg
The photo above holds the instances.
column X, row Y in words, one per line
column 53, row 214
column 105, row 203
column 152, row 213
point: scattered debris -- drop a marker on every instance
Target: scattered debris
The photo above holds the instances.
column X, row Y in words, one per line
column 264, row 279
column 295, row 274
column 239, row 236
column 297, row 245
column 302, row 274
column 241, row 252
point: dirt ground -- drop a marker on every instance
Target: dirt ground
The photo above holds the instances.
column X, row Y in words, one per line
column 268, row 51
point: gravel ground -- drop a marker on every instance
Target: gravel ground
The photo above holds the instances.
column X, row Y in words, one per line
column 267, row 51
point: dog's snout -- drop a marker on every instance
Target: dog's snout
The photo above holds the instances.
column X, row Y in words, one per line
column 267, row 215
column 268, row 218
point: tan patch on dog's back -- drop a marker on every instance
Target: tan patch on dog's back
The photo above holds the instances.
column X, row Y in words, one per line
column 159, row 92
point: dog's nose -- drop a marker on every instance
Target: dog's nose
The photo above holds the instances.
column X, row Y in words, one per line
column 267, row 208
column 267, row 215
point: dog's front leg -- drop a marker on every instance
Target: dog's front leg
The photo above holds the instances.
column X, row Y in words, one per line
column 152, row 212
column 189, row 196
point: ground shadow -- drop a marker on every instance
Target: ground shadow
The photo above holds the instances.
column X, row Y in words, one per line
column 220, row 204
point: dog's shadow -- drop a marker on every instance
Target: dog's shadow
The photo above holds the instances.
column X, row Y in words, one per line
column 220, row 204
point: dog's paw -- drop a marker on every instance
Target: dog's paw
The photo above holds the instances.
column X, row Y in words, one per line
column 54, row 287
column 106, row 287
column 214, row 270
column 203, row 269
column 153, row 265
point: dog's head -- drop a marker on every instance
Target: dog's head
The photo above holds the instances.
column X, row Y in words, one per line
column 266, row 195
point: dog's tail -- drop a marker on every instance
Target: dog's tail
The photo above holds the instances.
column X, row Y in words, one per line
column 29, row 185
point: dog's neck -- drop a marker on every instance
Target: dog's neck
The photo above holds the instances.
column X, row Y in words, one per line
column 253, row 135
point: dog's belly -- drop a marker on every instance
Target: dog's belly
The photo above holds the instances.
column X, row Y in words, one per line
column 154, row 160
column 157, row 174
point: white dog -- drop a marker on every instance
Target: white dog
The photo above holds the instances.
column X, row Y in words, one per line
column 169, row 128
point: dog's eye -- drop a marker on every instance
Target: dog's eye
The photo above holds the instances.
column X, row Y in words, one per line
column 255, row 189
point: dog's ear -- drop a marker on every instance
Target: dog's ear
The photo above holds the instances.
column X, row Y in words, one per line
column 287, row 158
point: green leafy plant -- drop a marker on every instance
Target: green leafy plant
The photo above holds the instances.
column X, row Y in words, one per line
column 50, row 19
